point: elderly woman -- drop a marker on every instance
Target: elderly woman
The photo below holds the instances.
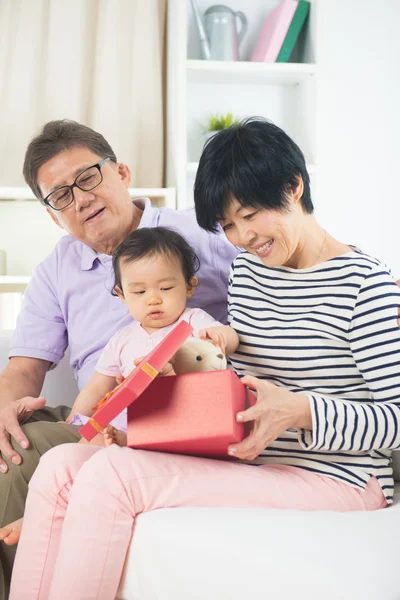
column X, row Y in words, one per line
column 319, row 342
column 315, row 317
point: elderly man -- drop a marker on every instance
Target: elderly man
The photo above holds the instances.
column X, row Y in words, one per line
column 75, row 174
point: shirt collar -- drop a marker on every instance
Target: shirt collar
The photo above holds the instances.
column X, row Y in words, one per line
column 88, row 257
column 149, row 216
column 148, row 219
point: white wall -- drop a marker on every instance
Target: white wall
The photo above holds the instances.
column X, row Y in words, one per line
column 358, row 124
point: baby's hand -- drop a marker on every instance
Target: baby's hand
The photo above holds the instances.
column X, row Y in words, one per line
column 167, row 369
column 218, row 336
column 114, row 436
column 137, row 361
column 120, row 378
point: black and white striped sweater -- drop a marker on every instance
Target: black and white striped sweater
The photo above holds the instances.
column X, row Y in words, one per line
column 330, row 332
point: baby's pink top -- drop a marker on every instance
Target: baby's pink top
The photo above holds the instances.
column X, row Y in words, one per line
column 133, row 342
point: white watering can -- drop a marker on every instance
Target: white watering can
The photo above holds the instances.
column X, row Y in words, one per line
column 218, row 34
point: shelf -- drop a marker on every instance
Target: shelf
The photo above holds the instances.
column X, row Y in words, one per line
column 240, row 72
column 16, row 193
column 11, row 284
column 161, row 196
column 14, row 279
column 191, row 168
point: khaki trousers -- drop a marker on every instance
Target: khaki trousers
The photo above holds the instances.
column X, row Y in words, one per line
column 43, row 433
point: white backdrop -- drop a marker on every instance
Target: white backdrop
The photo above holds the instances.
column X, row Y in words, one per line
column 358, row 124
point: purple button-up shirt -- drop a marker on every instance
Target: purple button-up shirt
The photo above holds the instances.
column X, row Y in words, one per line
column 68, row 301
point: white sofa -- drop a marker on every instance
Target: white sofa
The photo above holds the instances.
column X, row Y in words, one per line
column 236, row 554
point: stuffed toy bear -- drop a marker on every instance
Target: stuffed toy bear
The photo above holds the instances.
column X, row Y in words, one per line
column 196, row 356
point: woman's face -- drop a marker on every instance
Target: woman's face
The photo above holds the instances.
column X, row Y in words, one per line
column 272, row 235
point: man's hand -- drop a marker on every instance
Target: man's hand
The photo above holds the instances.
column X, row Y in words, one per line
column 10, row 418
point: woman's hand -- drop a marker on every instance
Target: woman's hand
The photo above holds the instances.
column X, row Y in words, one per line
column 276, row 410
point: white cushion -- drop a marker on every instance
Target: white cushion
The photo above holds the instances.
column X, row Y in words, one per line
column 234, row 554
column 60, row 386
column 396, row 465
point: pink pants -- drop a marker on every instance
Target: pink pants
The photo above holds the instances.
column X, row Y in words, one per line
column 83, row 501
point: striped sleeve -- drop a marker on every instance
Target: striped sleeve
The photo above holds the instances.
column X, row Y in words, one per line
column 230, row 281
column 374, row 337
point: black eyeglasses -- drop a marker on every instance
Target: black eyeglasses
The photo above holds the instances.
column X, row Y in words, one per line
column 86, row 181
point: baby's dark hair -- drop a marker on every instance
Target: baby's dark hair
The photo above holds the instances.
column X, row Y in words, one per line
column 152, row 241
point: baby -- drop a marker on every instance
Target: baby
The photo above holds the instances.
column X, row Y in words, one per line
column 154, row 276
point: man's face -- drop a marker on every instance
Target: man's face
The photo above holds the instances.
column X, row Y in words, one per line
column 101, row 218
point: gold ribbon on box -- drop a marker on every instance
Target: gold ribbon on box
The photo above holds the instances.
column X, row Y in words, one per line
column 99, row 428
column 149, row 370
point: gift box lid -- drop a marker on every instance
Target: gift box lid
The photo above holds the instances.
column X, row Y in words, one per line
column 126, row 392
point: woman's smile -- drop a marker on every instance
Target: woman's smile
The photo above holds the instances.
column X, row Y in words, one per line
column 264, row 250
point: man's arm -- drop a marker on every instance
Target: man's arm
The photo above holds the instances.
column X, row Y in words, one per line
column 20, row 385
column 22, row 376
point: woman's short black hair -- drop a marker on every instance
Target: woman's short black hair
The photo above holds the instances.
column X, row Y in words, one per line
column 253, row 161
column 153, row 241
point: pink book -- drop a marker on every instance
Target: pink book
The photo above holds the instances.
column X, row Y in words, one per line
column 274, row 31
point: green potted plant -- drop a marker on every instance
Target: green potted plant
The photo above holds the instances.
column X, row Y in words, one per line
column 217, row 123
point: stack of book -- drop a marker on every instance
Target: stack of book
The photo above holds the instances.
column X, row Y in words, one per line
column 280, row 31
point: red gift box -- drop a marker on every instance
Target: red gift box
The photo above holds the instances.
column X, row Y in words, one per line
column 186, row 414
column 190, row 414
column 125, row 393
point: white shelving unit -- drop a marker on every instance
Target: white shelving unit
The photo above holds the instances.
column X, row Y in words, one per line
column 28, row 235
column 191, row 169
column 13, row 283
column 14, row 279
column 158, row 196
column 246, row 72
column 282, row 92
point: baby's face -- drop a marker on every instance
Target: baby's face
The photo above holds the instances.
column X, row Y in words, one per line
column 154, row 290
